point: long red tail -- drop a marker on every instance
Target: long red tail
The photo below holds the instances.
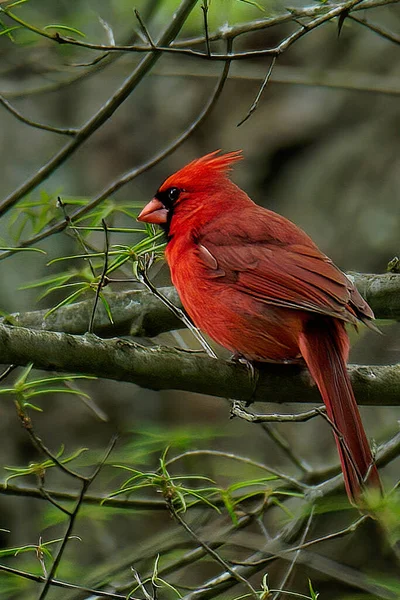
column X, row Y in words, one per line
column 325, row 346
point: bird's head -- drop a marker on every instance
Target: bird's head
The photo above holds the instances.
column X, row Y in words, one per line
column 190, row 188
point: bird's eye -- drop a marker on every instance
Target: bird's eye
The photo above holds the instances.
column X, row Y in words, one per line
column 173, row 194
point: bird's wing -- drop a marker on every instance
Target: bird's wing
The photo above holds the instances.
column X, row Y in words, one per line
column 291, row 275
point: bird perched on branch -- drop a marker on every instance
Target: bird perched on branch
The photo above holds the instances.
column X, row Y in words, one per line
column 259, row 286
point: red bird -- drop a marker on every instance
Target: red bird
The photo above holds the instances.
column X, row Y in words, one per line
column 259, row 286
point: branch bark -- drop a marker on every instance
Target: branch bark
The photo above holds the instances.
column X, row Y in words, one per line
column 162, row 368
column 139, row 313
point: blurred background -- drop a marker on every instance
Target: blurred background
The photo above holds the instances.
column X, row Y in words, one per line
column 322, row 148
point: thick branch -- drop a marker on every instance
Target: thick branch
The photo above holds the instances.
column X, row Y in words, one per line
column 161, row 368
column 382, row 292
column 139, row 313
column 135, row 312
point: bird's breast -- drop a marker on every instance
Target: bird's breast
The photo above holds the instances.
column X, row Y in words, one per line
column 241, row 323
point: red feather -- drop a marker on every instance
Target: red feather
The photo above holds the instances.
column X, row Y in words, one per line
column 258, row 285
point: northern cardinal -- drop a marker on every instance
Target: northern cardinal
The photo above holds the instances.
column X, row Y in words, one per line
column 259, row 286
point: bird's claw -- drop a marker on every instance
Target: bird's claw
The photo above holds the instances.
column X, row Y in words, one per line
column 253, row 375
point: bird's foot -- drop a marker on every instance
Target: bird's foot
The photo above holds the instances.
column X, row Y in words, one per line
column 253, row 374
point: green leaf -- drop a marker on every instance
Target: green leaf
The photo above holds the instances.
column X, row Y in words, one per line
column 9, row 30
column 314, row 595
column 58, row 279
column 107, row 308
column 23, row 377
column 65, row 28
column 68, row 300
column 12, row 249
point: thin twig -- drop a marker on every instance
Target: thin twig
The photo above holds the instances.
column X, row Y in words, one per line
column 239, row 29
column 57, row 560
column 46, row 496
column 144, row 29
column 103, row 276
column 132, row 174
column 107, row 109
column 40, row 446
column 344, row 446
column 234, row 573
column 285, row 447
column 76, row 232
column 232, row 32
column 7, row 372
column 264, row 84
column 288, row 573
column 178, row 312
column 62, row 584
column 90, row 499
column 35, row 124
column 85, row 485
column 204, row 8
column 388, row 35
column 302, row 546
column 238, row 410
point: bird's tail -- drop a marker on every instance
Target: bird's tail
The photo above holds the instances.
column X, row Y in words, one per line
column 324, row 346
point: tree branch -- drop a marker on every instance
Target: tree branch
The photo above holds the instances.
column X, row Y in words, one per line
column 162, row 368
column 139, row 313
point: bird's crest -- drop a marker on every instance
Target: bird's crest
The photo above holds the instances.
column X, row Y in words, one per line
column 203, row 170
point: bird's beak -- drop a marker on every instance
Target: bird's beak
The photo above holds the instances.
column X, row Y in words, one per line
column 154, row 212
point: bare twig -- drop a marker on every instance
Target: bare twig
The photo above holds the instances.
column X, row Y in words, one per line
column 62, row 584
column 204, row 8
column 178, row 312
column 132, row 174
column 288, row 573
column 76, row 233
column 144, row 29
column 105, row 112
column 211, row 552
column 388, row 35
column 35, row 124
column 85, row 485
column 238, row 410
column 322, row 14
column 303, row 545
column 89, row 499
column 103, row 277
column 285, row 447
column 46, row 496
column 264, row 84
column 7, row 372
column 40, row 446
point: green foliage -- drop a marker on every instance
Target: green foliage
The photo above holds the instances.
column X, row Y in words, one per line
column 266, row 592
column 42, row 548
column 156, row 582
column 183, row 495
column 24, row 388
column 64, row 28
column 88, row 272
column 174, row 489
column 39, row 469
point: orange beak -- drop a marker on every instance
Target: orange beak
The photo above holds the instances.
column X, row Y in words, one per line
column 154, row 212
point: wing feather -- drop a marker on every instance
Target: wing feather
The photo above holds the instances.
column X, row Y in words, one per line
column 292, row 275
